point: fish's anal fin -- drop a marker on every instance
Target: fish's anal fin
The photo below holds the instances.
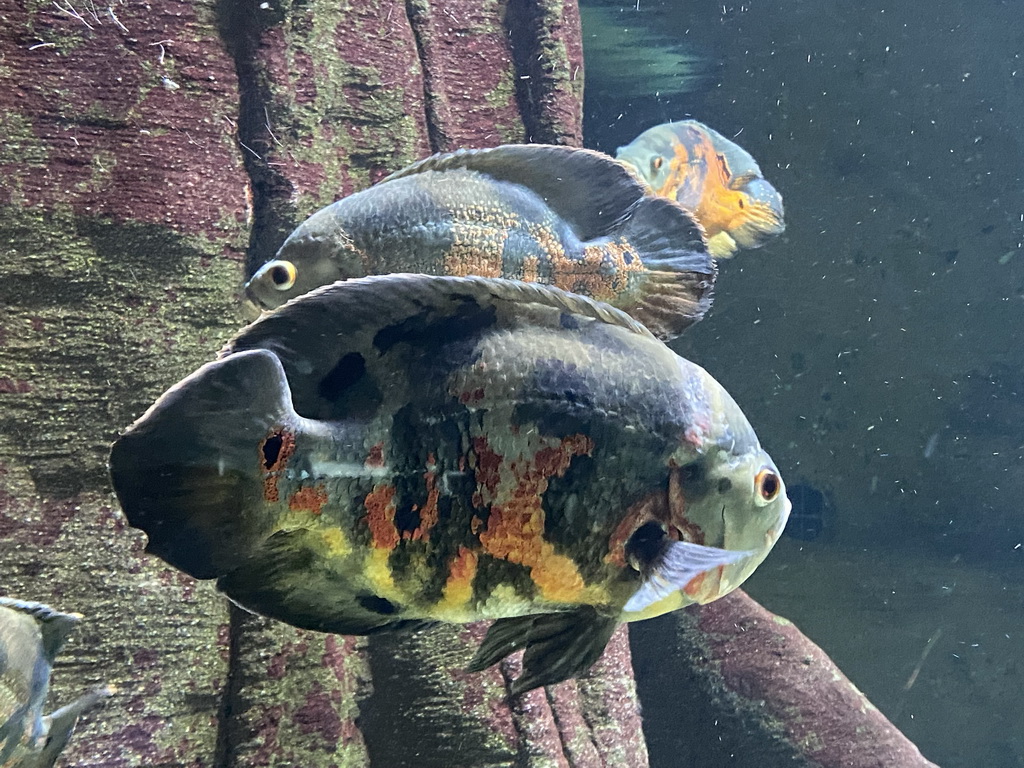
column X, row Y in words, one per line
column 558, row 645
column 676, row 567
column 286, row 580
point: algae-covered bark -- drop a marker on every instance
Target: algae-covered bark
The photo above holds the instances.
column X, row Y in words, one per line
column 151, row 154
column 123, row 202
column 758, row 693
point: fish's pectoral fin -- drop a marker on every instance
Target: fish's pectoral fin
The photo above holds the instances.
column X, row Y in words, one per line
column 678, row 563
column 558, row 645
column 290, row 578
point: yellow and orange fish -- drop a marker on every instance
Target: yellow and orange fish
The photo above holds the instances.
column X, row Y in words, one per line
column 712, row 177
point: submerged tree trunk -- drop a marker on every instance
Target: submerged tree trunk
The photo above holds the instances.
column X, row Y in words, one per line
column 150, row 152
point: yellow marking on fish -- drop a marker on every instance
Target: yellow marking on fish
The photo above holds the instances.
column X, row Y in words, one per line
column 337, row 543
column 548, row 241
column 454, row 604
column 379, row 576
column 476, row 249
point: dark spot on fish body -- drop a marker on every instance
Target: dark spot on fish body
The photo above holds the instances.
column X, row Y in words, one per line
column 345, row 374
column 429, row 335
column 376, row 604
column 407, row 519
column 569, row 322
column 271, row 449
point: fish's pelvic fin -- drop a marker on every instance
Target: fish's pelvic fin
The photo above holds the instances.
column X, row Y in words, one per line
column 290, row 578
column 558, row 645
column 675, row 567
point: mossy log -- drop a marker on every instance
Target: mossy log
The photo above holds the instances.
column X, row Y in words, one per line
column 150, row 152
column 731, row 685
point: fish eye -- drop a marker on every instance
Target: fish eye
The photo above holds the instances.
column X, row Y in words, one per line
column 768, row 485
column 656, row 162
column 282, row 274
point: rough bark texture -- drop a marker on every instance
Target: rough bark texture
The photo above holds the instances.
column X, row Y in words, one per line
column 143, row 146
column 758, row 693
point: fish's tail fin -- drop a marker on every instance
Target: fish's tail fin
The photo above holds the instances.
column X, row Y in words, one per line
column 193, row 471
column 676, row 289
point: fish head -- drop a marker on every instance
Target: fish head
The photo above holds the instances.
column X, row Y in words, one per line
column 724, row 509
column 761, row 216
column 672, row 158
column 319, row 252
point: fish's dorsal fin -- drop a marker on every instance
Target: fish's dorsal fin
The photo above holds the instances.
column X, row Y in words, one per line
column 591, row 191
column 330, row 339
column 54, row 625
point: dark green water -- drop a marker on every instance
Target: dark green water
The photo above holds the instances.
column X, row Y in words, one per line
column 876, row 345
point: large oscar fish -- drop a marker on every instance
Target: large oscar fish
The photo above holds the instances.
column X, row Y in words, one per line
column 568, row 217
column 31, row 636
column 389, row 450
column 711, row 176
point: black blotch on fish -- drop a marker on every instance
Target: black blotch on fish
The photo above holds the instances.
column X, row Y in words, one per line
column 429, row 334
column 407, row 518
column 569, row 322
column 376, row 604
column 272, row 449
column 346, row 372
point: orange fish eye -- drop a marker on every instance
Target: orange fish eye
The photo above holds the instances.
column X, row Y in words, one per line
column 768, row 485
column 656, row 162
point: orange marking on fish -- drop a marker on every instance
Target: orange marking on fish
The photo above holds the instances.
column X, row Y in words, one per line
column 308, row 499
column 375, row 458
column 429, row 514
column 696, row 584
column 380, row 516
column 515, row 527
column 281, row 444
column 531, row 269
